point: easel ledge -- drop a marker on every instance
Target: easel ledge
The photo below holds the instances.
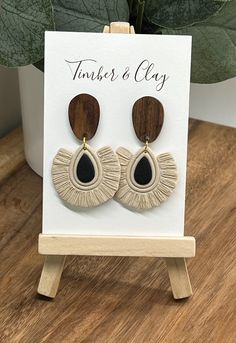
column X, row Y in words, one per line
column 173, row 249
column 117, row 245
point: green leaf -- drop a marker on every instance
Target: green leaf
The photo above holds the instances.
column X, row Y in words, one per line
column 22, row 26
column 88, row 15
column 180, row 13
column 214, row 46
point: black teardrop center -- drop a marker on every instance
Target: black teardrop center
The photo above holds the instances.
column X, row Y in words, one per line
column 143, row 171
column 85, row 170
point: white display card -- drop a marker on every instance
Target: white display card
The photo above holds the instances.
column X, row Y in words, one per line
column 117, row 69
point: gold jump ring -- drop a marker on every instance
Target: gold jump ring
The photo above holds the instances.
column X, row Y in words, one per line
column 84, row 143
column 146, row 146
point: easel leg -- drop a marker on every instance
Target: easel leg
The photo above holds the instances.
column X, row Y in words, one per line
column 179, row 278
column 51, row 275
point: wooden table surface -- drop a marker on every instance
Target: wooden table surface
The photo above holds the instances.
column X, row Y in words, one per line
column 117, row 299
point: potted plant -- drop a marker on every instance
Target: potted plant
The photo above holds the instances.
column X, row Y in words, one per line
column 212, row 25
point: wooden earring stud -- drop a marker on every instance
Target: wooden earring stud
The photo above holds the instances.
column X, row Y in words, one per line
column 85, row 178
column 146, row 180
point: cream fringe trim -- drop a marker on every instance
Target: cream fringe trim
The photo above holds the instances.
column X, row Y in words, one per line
column 72, row 192
column 129, row 194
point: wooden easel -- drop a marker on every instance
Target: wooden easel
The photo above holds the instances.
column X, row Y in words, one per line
column 173, row 249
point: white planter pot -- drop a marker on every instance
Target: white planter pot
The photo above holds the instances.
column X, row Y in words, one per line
column 214, row 103
column 31, row 94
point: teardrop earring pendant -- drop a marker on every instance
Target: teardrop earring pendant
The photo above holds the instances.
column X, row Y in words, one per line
column 146, row 180
column 85, row 178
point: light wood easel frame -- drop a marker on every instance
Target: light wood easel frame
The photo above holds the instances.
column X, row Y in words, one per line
column 173, row 249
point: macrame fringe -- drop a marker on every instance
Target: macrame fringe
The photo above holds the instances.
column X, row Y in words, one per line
column 73, row 194
column 154, row 197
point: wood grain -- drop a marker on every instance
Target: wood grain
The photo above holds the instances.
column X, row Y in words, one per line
column 148, row 118
column 84, row 113
column 11, row 153
column 126, row 299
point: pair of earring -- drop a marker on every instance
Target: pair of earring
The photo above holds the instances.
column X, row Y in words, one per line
column 87, row 178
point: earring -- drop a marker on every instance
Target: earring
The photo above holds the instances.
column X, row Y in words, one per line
column 146, row 180
column 85, row 178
